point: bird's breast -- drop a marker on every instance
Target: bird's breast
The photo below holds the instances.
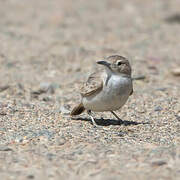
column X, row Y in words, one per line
column 118, row 86
column 113, row 96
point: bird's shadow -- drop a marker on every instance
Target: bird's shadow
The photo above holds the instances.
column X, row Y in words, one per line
column 108, row 122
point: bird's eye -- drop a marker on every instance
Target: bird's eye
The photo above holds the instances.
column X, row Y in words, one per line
column 119, row 63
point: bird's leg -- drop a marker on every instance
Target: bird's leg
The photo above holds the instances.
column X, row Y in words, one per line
column 92, row 119
column 116, row 116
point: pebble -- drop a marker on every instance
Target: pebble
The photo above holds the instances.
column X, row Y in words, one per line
column 121, row 134
column 5, row 148
column 49, row 87
column 2, row 113
column 161, row 89
column 159, row 163
column 50, row 156
column 64, row 110
column 46, row 98
column 176, row 71
column 139, row 77
column 19, row 139
column 175, row 18
column 158, row 108
column 178, row 116
column 3, row 88
column 45, row 133
column 60, row 141
column 45, row 87
column 30, row 176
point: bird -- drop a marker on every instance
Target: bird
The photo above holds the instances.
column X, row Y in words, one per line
column 107, row 89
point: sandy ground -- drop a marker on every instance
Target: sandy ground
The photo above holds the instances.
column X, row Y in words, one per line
column 47, row 48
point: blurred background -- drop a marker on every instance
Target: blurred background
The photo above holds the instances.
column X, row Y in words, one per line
column 48, row 47
column 50, row 39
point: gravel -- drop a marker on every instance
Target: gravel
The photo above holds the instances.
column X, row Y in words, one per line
column 47, row 49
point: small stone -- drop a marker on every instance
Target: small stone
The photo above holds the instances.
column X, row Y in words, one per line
column 60, row 141
column 139, row 77
column 43, row 139
column 152, row 68
column 176, row 71
column 159, row 163
column 121, row 134
column 30, row 176
column 3, row 88
column 48, row 87
column 45, row 87
column 161, row 89
column 50, row 156
column 158, row 108
column 175, row 18
column 178, row 116
column 141, row 110
column 35, row 93
column 46, row 99
column 20, row 86
column 64, row 110
column 2, row 113
column 19, row 140
column 5, row 148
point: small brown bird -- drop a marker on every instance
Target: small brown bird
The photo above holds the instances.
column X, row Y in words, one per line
column 106, row 90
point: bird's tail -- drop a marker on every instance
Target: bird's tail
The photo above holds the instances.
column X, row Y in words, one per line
column 77, row 110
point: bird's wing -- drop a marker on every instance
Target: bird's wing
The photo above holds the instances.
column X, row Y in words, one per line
column 93, row 85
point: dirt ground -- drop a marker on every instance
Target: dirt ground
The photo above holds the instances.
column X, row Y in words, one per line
column 47, row 48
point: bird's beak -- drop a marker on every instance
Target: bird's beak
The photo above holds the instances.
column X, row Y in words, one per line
column 105, row 63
